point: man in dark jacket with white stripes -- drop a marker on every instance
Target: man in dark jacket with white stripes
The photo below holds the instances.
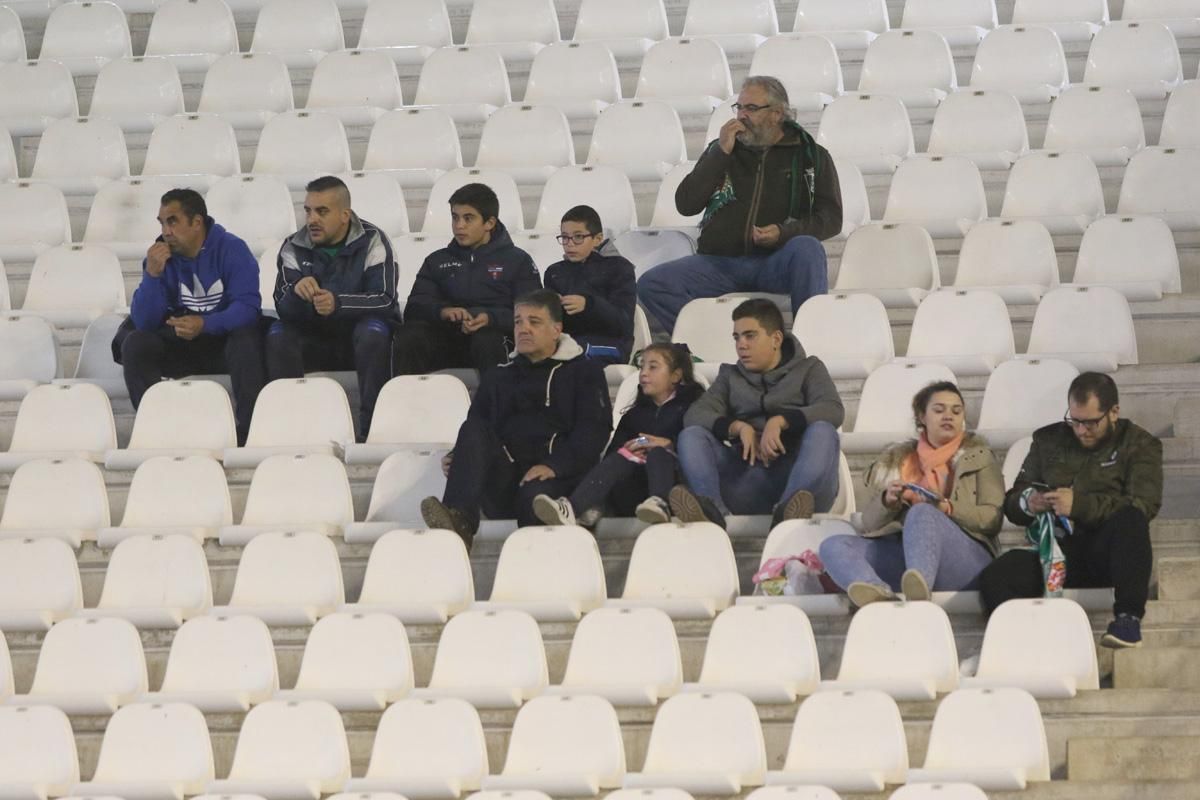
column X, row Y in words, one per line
column 335, row 293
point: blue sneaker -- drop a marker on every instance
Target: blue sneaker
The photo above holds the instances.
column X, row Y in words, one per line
column 1124, row 631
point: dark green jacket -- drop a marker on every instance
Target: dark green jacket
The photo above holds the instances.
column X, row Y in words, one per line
column 1124, row 471
column 792, row 184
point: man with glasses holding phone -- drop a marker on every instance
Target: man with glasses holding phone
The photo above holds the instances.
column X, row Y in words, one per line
column 1101, row 476
column 769, row 195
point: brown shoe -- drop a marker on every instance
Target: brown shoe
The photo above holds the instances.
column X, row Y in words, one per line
column 799, row 506
column 691, row 507
column 863, row 593
column 439, row 515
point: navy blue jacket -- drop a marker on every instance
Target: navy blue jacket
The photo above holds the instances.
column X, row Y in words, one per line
column 665, row 420
column 489, row 278
column 606, row 279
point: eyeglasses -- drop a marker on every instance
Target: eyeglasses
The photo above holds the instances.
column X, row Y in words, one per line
column 574, row 238
column 750, row 108
column 1086, row 424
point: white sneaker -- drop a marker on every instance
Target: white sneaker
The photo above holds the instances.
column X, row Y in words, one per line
column 553, row 510
column 653, row 510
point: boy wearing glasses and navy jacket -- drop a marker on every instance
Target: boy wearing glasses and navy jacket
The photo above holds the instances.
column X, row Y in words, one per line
column 1101, row 478
column 597, row 287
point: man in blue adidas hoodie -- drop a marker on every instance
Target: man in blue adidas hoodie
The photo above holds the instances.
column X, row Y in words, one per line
column 335, row 293
column 196, row 309
column 460, row 310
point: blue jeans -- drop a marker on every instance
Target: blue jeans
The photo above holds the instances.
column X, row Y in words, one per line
column 930, row 543
column 798, row 268
column 717, row 471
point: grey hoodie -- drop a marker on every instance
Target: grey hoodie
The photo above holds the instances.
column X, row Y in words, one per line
column 799, row 388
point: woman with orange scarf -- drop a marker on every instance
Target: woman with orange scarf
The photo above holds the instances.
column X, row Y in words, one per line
column 932, row 523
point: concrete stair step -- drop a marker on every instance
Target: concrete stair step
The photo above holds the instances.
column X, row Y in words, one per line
column 1139, row 758
column 1156, row 667
column 1179, row 578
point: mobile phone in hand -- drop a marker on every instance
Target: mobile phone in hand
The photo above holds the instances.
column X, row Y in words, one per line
column 931, row 497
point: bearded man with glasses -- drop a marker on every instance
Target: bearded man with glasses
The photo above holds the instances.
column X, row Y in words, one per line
column 1100, row 479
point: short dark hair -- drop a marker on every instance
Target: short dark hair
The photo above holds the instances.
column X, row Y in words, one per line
column 191, row 203
column 1094, row 384
column 585, row 215
column 921, row 399
column 543, row 298
column 478, row 196
column 761, row 309
column 327, row 182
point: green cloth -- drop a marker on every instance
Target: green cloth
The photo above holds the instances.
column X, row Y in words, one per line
column 1040, row 534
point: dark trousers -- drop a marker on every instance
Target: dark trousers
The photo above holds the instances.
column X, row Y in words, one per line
column 422, row 347
column 625, row 484
column 1116, row 553
column 364, row 346
column 484, row 478
column 150, row 356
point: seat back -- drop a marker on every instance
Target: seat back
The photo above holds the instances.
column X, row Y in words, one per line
column 717, row 732
column 256, row 208
column 205, row 404
column 605, row 189
column 751, row 645
column 858, row 731
column 412, row 138
column 93, row 28
column 403, row 480
column 1156, row 183
column 355, row 78
column 944, row 194
column 1094, row 119
column 171, row 491
column 65, row 418
column 522, row 135
column 420, row 408
column 716, row 17
column 956, row 322
column 550, row 564
column 91, row 655
column 840, row 327
column 437, row 208
column 642, row 135
column 902, row 60
column 75, row 278
column 222, row 653
column 1052, row 184
column 684, row 67
column 998, row 252
column 1142, row 56
column 567, row 735
column 295, row 26
column 977, row 124
column 79, row 146
column 1081, row 319
column 571, row 71
column 36, row 89
column 419, row 738
column 301, row 411
column 415, row 22
column 1119, row 248
column 377, row 199
column 157, row 572
column 1056, row 628
column 12, row 37
column 795, row 536
column 289, row 568
column 989, row 728
column 357, row 651
column 512, row 21
column 884, row 404
column 193, row 144
column 898, row 643
column 803, row 64
column 33, row 214
column 156, row 742
column 298, row 490
column 888, row 255
column 39, row 748
column 401, row 561
column 293, row 740
column 684, row 561
column 35, row 493
column 1018, row 57
column 38, row 574
column 1182, row 109
column 298, row 142
column 126, row 211
column 1026, row 393
column 441, row 80
column 621, row 19
column 625, row 646
column 841, row 15
column 491, row 648
column 945, row 13
column 247, row 82
column 192, row 26
column 866, row 128
column 137, row 86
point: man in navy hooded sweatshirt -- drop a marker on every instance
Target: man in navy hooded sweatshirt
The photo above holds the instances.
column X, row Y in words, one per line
column 196, row 309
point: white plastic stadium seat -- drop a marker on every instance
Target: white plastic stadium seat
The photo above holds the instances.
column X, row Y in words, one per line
column 28, row 355
column 296, row 492
column 798, row 536
column 33, row 94
column 884, row 415
column 1104, row 122
column 1021, row 396
column 155, row 581
column 807, row 66
column 357, row 86
column 124, row 216
column 72, row 284
column 849, row 24
column 378, row 199
column 526, row 141
column 220, row 664
column 629, row 656
column 192, row 33
column 407, row 32
column 643, row 138
column 39, row 758
column 256, row 208
column 703, row 743
column 441, row 82
column 1091, row 327
column 1026, row 61
column 493, row 659
column 703, row 325
column 939, row 791
column 60, row 421
column 1183, row 106
column 1134, row 255
column 437, row 207
column 321, row 404
column 963, row 24
column 34, row 220
column 850, row 333
column 1180, row 16
column 767, row 653
column 357, row 662
column 984, row 331
column 416, row 146
column 626, row 27
column 12, row 37
column 872, row 132
column 1157, row 183
column 33, row 506
column 1072, row 20
column 985, row 126
column 515, row 28
column 156, row 431
column 851, row 741
column 247, row 89
column 1060, row 190
column 895, row 262
column 152, row 751
column 856, row 209
column 95, row 364
column 553, row 573
column 86, row 36
column 943, row 194
column 88, row 666
column 79, row 154
column 690, row 74
column 1013, row 258
column 580, row 79
column 137, row 93
column 566, row 746
column 403, row 480
column 39, row 584
column 193, row 144
column 687, row 570
column 287, row 579
column 606, row 189
column 396, row 582
column 903, row 649
column 413, row 412
column 300, row 32
column 426, row 749
column 297, row 144
column 174, row 495
column 992, row 738
column 1056, row 628
column 739, row 27
column 8, row 156
column 913, row 65
column 289, row 751
column 1139, row 56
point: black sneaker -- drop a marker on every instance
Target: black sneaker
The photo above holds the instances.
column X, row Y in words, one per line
column 439, row 515
column 691, row 507
column 799, row 506
column 1124, row 631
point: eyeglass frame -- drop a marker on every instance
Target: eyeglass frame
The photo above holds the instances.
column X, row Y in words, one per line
column 1087, row 424
column 575, row 238
column 750, row 108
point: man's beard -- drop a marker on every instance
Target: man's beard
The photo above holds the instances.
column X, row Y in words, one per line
column 752, row 137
